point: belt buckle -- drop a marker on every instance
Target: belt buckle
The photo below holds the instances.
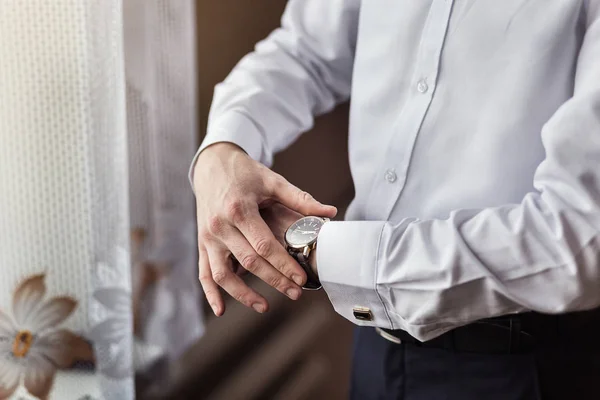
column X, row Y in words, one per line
column 388, row 336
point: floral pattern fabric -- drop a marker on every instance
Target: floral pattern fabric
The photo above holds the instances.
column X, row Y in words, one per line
column 97, row 114
column 33, row 345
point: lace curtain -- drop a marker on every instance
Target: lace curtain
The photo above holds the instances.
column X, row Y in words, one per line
column 97, row 259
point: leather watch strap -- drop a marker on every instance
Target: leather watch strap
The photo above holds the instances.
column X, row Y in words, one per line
column 312, row 282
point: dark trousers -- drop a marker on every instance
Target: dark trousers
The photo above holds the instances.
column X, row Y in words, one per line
column 385, row 370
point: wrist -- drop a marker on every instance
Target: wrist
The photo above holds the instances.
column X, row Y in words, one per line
column 215, row 153
column 219, row 149
column 300, row 239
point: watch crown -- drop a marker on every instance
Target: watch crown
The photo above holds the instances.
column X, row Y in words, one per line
column 306, row 252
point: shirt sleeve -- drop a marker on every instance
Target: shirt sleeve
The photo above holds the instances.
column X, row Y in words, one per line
column 303, row 69
column 429, row 276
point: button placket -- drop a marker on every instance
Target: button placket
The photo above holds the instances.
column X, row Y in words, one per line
column 399, row 152
column 390, row 175
column 422, row 86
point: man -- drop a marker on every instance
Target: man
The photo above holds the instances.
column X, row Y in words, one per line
column 473, row 241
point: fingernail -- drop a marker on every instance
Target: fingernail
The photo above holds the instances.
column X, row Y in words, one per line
column 259, row 308
column 297, row 279
column 293, row 293
column 215, row 309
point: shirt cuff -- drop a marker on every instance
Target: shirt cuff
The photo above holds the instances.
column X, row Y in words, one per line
column 347, row 262
column 236, row 128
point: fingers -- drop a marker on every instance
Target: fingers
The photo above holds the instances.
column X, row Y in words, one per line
column 256, row 264
column 224, row 277
column 221, row 237
column 229, row 189
column 245, row 218
column 267, row 247
column 211, row 289
column 298, row 200
column 238, row 269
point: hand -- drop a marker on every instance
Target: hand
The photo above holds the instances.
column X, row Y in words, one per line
column 230, row 190
column 279, row 218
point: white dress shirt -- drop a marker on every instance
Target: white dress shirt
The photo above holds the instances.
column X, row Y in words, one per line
column 474, row 147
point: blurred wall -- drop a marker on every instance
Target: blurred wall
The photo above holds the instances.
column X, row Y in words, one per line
column 229, row 29
column 299, row 350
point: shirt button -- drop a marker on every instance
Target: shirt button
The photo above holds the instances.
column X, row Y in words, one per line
column 390, row 176
column 422, row 86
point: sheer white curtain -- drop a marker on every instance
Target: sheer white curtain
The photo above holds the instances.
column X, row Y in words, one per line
column 160, row 70
column 96, row 128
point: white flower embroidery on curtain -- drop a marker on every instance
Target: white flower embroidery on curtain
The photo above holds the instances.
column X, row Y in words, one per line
column 32, row 343
column 97, row 130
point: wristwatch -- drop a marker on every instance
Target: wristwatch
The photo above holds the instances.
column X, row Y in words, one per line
column 300, row 240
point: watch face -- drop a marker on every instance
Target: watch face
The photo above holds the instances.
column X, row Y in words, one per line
column 304, row 231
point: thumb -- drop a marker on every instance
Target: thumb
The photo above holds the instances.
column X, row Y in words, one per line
column 299, row 200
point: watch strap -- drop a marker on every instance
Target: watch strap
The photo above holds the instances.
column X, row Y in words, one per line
column 312, row 282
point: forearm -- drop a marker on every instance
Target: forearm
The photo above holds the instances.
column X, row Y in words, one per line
column 303, row 69
column 431, row 276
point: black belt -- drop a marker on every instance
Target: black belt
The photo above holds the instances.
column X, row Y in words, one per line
column 515, row 334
